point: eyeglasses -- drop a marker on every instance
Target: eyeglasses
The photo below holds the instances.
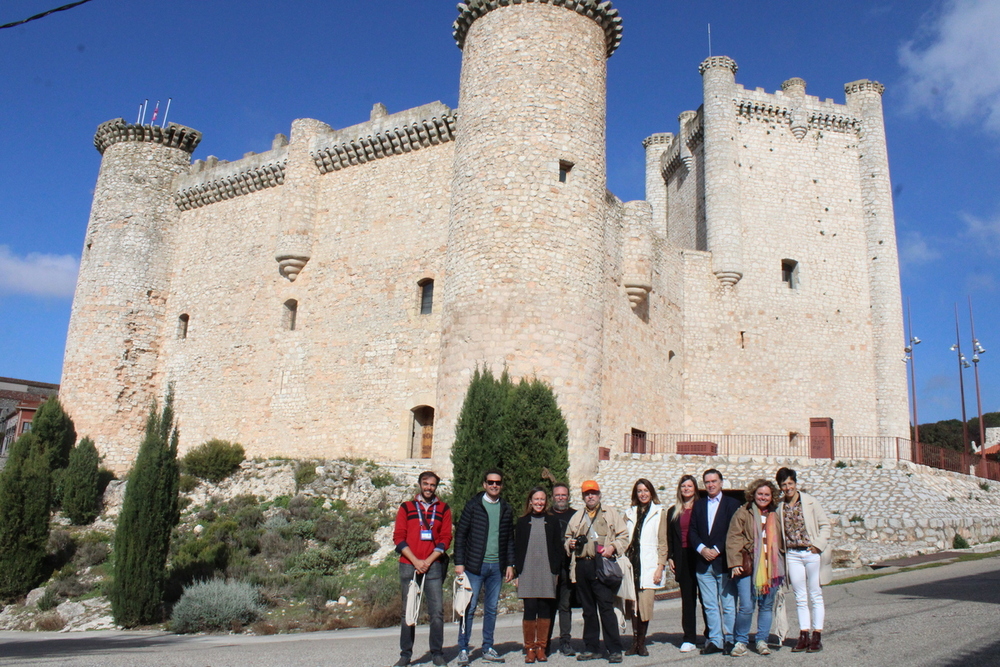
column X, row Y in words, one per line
column 494, row 482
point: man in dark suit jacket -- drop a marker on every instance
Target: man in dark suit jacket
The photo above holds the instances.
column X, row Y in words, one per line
column 709, row 525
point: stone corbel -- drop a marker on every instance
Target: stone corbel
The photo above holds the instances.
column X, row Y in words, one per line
column 795, row 88
column 637, row 270
column 294, row 251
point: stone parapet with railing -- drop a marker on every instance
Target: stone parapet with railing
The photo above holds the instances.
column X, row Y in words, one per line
column 878, row 508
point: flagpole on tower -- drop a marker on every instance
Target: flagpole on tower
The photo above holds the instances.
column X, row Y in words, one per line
column 165, row 112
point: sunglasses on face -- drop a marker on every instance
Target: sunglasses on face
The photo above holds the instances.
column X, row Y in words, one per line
column 494, row 482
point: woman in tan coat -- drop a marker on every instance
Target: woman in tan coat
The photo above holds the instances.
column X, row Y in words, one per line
column 754, row 556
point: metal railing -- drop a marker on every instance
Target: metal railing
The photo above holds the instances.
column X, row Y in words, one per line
column 847, row 447
column 799, row 445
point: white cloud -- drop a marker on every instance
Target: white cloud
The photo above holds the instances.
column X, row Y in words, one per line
column 985, row 234
column 953, row 69
column 914, row 250
column 37, row 274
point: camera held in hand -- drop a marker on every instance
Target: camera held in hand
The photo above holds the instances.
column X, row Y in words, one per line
column 581, row 542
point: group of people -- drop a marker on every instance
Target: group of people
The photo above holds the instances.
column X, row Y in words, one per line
column 731, row 556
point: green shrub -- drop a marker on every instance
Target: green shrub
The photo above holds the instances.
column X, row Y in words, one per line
column 68, row 587
column 187, row 483
column 89, row 554
column 321, row 561
column 959, row 542
column 49, row 599
column 214, row 460
column 840, row 464
column 382, row 479
column 380, row 600
column 81, row 488
column 302, row 507
column 216, row 605
column 305, row 473
column 148, row 515
column 24, row 516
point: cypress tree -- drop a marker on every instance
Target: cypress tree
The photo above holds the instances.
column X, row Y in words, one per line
column 479, row 435
column 81, row 495
column 24, row 516
column 537, row 439
column 55, row 431
column 518, row 429
column 149, row 513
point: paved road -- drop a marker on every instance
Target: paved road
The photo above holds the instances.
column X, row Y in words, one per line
column 943, row 616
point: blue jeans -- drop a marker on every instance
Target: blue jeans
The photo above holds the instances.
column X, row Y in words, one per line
column 488, row 580
column 718, row 598
column 744, row 617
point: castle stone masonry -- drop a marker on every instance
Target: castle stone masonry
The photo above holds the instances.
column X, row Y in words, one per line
column 333, row 295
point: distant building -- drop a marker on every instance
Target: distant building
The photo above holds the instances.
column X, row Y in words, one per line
column 333, row 295
column 19, row 399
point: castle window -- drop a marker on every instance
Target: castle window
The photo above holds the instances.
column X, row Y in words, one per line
column 182, row 326
column 790, row 273
column 564, row 168
column 426, row 296
column 288, row 314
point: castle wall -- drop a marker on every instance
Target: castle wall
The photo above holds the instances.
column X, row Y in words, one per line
column 642, row 342
column 764, row 357
column 361, row 356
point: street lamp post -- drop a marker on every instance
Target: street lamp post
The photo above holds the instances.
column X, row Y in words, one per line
column 962, row 365
column 912, row 341
column 977, row 349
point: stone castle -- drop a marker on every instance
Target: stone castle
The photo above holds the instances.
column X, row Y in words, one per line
column 333, row 295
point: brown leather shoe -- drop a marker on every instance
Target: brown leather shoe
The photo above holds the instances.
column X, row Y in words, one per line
column 803, row 642
column 815, row 645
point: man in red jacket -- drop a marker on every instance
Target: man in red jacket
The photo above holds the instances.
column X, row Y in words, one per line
column 422, row 536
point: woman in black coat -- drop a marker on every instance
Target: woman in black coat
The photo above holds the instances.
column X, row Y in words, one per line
column 538, row 557
column 680, row 557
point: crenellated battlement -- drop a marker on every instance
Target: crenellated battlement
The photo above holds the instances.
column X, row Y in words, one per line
column 174, row 135
column 231, row 179
column 601, row 11
column 396, row 140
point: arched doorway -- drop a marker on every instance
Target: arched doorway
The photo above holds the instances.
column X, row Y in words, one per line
column 422, row 436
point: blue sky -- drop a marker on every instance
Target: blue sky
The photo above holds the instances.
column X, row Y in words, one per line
column 240, row 72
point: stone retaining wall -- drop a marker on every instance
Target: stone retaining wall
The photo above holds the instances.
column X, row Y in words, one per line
column 878, row 508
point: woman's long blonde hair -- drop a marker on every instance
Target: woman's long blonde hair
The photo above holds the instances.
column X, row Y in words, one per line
column 679, row 504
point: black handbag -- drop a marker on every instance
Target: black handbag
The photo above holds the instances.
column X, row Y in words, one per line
column 609, row 572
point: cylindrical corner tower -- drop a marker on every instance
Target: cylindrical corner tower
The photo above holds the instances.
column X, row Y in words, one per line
column 110, row 371
column 723, row 219
column 525, row 243
column 864, row 97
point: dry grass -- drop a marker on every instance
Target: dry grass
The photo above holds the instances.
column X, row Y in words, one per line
column 50, row 622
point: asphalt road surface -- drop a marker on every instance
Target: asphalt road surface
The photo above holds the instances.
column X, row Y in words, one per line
column 947, row 616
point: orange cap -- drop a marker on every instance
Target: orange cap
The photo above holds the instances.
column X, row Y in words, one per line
column 590, row 485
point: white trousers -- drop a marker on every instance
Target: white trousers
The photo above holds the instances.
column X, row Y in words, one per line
column 803, row 571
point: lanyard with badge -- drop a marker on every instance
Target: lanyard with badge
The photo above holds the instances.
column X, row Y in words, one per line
column 426, row 534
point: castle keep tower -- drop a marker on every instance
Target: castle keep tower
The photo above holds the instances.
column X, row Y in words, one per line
column 110, row 371
column 525, row 238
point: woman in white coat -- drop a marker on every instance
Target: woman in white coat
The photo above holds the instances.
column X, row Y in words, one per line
column 805, row 531
column 647, row 551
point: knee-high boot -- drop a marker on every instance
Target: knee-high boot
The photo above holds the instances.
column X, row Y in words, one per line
column 641, row 638
column 541, row 637
column 530, row 629
column 634, row 649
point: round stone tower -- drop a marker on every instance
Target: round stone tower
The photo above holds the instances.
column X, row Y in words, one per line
column 722, row 176
column 525, row 268
column 110, row 371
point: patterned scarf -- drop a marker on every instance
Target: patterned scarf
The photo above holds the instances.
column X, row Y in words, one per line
column 769, row 567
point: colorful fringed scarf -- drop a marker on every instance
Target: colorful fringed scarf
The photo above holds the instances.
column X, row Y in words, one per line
column 769, row 566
